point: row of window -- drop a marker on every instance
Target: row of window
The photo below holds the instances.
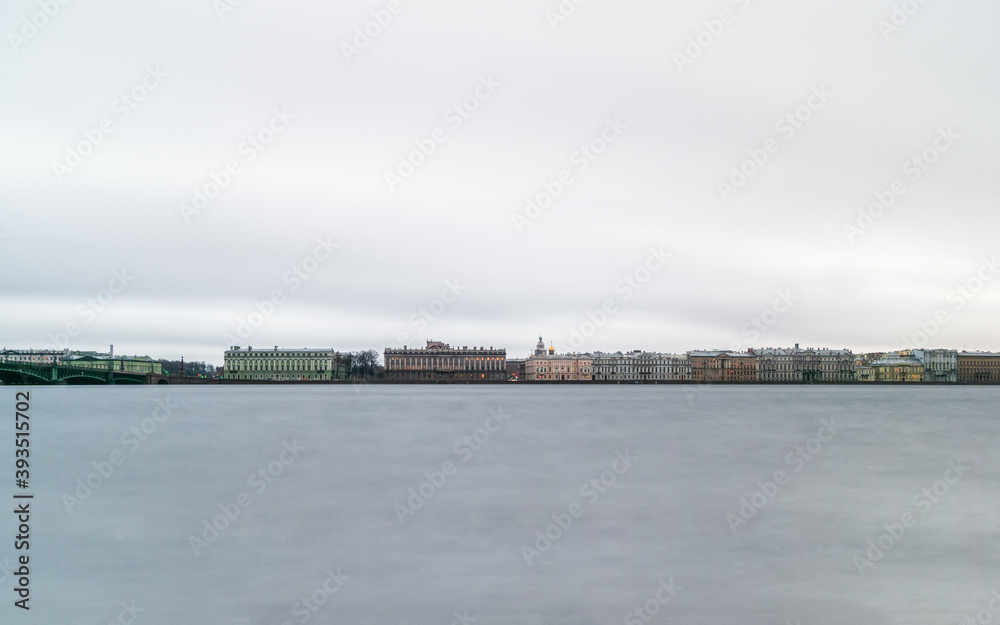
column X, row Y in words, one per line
column 317, row 354
column 434, row 363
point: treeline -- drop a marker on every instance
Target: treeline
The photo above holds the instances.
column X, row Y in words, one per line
column 194, row 368
column 361, row 365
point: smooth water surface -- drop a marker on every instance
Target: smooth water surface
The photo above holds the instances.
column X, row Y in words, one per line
column 338, row 464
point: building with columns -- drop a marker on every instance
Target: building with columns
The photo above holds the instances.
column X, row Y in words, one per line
column 978, row 367
column 899, row 366
column 283, row 365
column 804, row 365
column 440, row 362
column 640, row 366
column 940, row 365
column 723, row 366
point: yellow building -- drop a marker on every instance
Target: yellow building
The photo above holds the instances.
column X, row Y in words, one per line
column 978, row 367
column 863, row 372
column 898, row 367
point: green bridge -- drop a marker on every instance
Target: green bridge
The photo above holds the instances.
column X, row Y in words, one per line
column 24, row 373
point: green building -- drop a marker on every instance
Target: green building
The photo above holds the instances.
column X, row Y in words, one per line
column 284, row 365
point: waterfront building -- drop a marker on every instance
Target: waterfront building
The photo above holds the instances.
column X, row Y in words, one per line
column 863, row 371
column 804, row 365
column 898, row 367
column 110, row 362
column 283, row 365
column 978, row 367
column 546, row 365
column 440, row 362
column 559, row 368
column 940, row 365
column 83, row 359
column 515, row 369
column 33, row 356
column 723, row 366
column 640, row 366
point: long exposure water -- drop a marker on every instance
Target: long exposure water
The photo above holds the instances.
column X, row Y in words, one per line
column 508, row 504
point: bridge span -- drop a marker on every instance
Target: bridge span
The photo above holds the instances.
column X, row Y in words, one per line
column 25, row 373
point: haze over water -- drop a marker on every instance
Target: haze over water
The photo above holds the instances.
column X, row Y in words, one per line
column 693, row 453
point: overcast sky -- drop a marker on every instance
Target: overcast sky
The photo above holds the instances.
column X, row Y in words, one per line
column 622, row 121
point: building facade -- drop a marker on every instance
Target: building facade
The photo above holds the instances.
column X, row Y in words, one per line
column 84, row 360
column 440, row 362
column 554, row 367
column 283, row 365
column 863, row 371
column 33, row 356
column 640, row 366
column 515, row 369
column 978, row 367
column 940, row 365
column 898, row 367
column 804, row 365
column 723, row 366
column 107, row 362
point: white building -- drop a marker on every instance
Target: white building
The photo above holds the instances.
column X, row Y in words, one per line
column 793, row 364
column 33, row 356
column 640, row 366
column 940, row 365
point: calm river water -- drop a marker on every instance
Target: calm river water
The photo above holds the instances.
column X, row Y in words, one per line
column 509, row 504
